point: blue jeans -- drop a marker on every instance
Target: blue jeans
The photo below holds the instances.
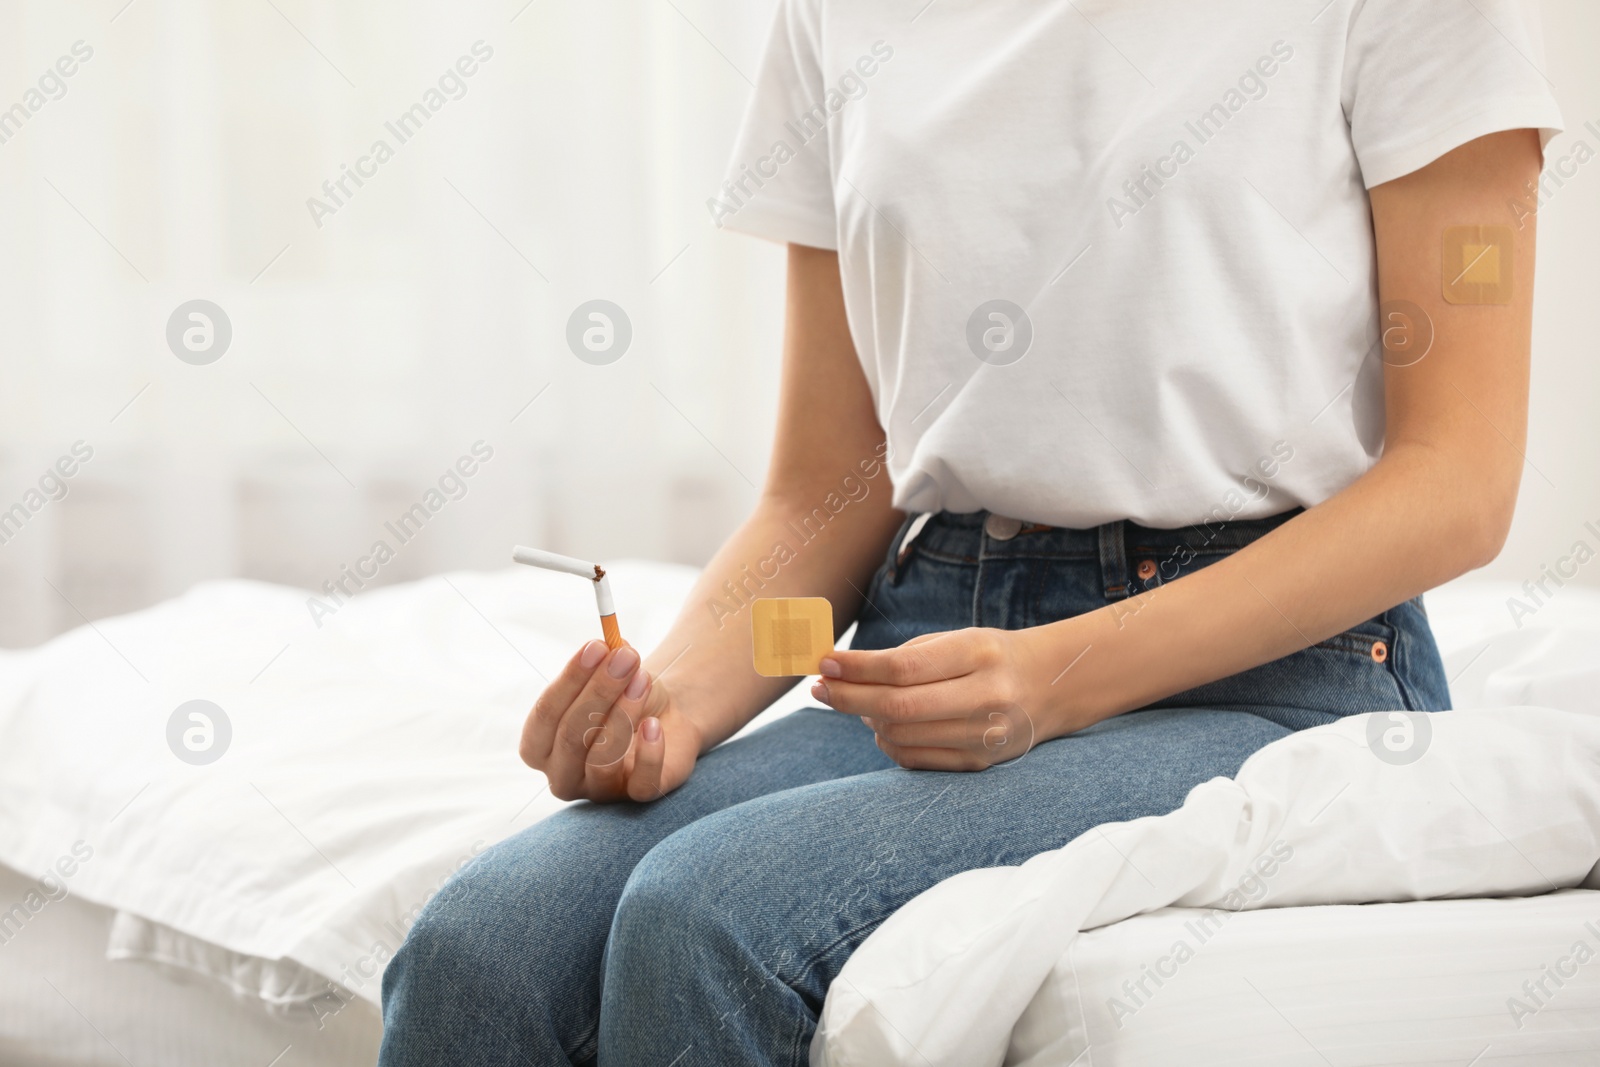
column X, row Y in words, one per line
column 705, row 928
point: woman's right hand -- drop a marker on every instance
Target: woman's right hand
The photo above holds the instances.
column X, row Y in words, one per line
column 605, row 730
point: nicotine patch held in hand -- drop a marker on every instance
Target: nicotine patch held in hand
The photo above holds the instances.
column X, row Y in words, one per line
column 790, row 635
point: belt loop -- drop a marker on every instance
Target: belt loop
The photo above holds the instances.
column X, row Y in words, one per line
column 1114, row 559
column 900, row 548
column 912, row 529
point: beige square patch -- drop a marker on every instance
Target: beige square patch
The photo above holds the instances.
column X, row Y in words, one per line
column 790, row 635
column 1477, row 264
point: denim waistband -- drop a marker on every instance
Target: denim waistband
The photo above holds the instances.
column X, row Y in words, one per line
column 1123, row 548
column 945, row 571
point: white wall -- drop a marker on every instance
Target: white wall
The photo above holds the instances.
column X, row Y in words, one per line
column 370, row 353
column 1561, row 484
column 411, row 324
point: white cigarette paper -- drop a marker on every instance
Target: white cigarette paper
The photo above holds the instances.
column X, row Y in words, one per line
column 552, row 561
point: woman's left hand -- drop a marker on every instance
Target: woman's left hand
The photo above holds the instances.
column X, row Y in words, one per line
column 957, row 701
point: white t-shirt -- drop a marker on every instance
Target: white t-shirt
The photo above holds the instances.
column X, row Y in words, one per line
column 1147, row 217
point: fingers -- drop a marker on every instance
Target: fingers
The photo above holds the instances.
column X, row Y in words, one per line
column 585, row 721
column 991, row 735
column 644, row 783
column 614, row 750
column 608, row 745
column 932, row 658
column 933, row 759
column 538, row 732
column 932, row 733
column 952, row 699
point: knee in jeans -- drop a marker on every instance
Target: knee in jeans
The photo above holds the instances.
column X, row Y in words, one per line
column 434, row 947
column 675, row 906
column 448, row 952
column 696, row 919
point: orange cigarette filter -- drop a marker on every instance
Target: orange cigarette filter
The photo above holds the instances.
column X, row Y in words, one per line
column 535, row 557
column 608, row 610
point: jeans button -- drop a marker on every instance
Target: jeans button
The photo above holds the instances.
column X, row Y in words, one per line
column 1001, row 528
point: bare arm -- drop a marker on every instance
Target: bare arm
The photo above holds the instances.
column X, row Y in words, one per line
column 607, row 728
column 828, row 441
column 1437, row 504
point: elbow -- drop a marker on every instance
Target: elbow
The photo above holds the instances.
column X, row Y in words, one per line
column 1471, row 498
column 1485, row 525
column 1484, row 543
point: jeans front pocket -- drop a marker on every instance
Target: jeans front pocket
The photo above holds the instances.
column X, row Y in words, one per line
column 1350, row 673
column 1374, row 639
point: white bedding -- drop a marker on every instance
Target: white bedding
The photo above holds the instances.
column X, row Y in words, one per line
column 371, row 756
column 63, row 1004
column 1496, row 655
column 1502, row 802
column 1436, row 982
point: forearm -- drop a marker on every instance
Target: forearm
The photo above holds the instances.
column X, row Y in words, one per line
column 791, row 545
column 1414, row 521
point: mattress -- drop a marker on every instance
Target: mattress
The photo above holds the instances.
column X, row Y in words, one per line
column 62, row 1002
column 1449, row 982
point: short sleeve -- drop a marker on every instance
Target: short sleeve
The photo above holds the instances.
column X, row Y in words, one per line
column 779, row 183
column 1423, row 77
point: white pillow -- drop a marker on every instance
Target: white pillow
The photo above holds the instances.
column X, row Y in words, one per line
column 1505, row 644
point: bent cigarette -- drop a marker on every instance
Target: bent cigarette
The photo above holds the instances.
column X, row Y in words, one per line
column 552, row 561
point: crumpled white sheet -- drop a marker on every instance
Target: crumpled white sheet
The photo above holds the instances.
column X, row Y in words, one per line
column 1502, row 803
column 370, row 758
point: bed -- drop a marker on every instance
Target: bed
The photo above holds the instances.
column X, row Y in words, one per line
column 64, row 1003
column 241, row 910
column 1418, row 982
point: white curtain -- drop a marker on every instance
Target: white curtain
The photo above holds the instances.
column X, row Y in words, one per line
column 371, row 352
column 374, row 345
